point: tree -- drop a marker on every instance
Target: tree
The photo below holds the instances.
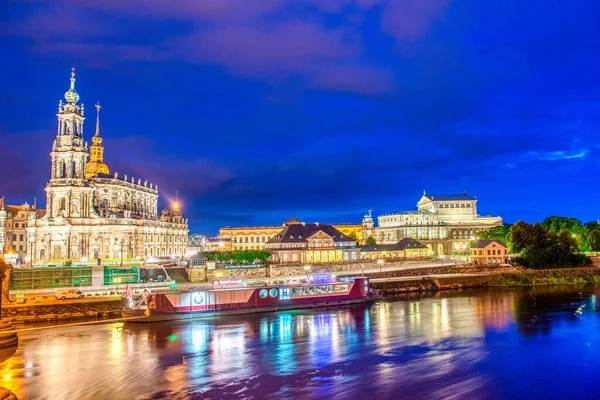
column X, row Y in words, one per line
column 593, row 241
column 520, row 236
column 239, row 256
column 540, row 248
column 496, row 233
column 591, row 236
column 572, row 225
column 559, row 224
column 371, row 240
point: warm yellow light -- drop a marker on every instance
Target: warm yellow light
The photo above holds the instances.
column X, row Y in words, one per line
column 176, row 205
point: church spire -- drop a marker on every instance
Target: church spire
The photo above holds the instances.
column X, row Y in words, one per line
column 96, row 164
column 98, row 119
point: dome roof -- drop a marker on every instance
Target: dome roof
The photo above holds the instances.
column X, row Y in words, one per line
column 93, row 168
column 292, row 221
column 71, row 95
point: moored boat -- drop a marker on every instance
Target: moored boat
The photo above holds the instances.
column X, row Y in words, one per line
column 198, row 303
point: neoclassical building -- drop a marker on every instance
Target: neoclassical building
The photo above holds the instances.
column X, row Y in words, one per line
column 447, row 223
column 91, row 214
column 255, row 237
column 299, row 242
column 14, row 242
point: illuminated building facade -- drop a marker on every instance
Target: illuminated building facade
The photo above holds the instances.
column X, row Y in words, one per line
column 489, row 252
column 14, row 241
column 255, row 237
column 446, row 223
column 405, row 249
column 299, row 242
column 90, row 214
column 197, row 242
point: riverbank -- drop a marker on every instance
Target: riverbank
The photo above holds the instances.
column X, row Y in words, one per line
column 387, row 283
column 484, row 279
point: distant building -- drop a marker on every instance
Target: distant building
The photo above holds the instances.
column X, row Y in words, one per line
column 485, row 252
column 197, row 260
column 405, row 249
column 14, row 241
column 446, row 223
column 299, row 242
column 255, row 237
column 201, row 243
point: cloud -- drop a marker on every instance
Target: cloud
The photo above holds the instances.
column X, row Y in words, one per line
column 258, row 39
column 407, row 19
column 558, row 155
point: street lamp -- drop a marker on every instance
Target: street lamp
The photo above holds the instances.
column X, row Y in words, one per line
column 307, row 269
column 122, row 241
column 117, row 281
column 380, row 262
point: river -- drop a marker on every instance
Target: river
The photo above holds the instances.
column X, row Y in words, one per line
column 500, row 344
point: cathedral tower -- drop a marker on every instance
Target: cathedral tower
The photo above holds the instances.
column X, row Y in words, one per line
column 69, row 151
column 69, row 154
column 96, row 164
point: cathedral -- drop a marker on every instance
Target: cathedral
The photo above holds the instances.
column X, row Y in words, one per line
column 91, row 214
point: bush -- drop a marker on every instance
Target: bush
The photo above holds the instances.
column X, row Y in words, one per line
column 239, row 256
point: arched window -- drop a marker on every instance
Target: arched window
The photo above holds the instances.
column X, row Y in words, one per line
column 42, row 254
column 62, row 204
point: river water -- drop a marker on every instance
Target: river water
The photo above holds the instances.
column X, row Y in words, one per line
column 504, row 344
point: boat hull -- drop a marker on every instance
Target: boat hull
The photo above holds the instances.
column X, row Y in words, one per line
column 138, row 316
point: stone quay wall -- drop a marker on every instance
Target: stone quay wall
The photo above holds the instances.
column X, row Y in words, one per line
column 60, row 312
column 542, row 277
column 276, row 271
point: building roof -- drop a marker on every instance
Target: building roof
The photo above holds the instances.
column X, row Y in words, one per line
column 12, row 210
column 252, row 227
column 298, row 233
column 406, row 243
column 449, row 197
column 484, row 243
column 407, row 212
column 217, row 240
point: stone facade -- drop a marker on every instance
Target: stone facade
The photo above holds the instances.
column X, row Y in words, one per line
column 199, row 243
column 446, row 223
column 255, row 237
column 92, row 215
column 405, row 249
column 488, row 252
column 311, row 243
column 14, row 240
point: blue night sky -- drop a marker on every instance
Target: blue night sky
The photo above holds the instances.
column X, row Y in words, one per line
column 261, row 110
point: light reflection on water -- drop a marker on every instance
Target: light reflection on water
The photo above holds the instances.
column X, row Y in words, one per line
column 471, row 345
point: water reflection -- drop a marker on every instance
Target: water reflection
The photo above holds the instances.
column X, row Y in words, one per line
column 465, row 345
